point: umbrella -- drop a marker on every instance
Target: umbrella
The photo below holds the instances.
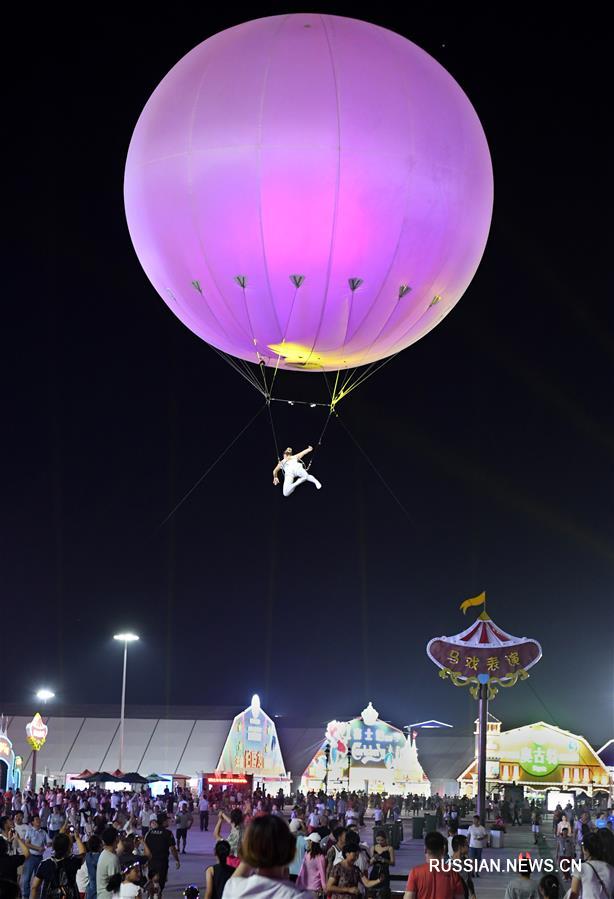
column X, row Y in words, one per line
column 100, row 777
column 133, row 777
column 153, row 777
column 84, row 774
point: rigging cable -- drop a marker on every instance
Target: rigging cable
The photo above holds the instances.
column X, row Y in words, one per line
column 377, row 472
column 210, row 468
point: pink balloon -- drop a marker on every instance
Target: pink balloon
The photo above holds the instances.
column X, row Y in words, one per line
column 310, row 190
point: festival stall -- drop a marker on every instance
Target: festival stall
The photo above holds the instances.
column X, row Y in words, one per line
column 10, row 764
column 538, row 757
column 252, row 748
column 367, row 754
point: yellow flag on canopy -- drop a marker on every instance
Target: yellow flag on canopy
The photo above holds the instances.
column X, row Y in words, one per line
column 474, row 601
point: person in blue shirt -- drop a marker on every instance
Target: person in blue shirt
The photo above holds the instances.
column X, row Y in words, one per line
column 36, row 840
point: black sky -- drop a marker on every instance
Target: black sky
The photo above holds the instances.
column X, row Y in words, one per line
column 494, row 432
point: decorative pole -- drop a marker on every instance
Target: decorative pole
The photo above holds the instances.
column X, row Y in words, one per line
column 483, row 657
column 327, row 757
column 483, row 733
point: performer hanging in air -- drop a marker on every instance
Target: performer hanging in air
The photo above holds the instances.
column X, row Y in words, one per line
column 294, row 471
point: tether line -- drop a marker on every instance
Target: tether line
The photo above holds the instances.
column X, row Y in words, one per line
column 210, row 468
column 377, row 472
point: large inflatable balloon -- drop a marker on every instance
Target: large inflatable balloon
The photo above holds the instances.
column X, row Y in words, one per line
column 310, row 191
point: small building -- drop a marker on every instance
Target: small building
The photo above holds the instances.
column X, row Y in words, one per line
column 537, row 757
column 606, row 754
column 366, row 754
column 10, row 764
column 252, row 748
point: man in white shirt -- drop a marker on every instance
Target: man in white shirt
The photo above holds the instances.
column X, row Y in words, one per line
column 314, row 820
column 108, row 862
column 478, row 838
column 203, row 810
column 20, row 828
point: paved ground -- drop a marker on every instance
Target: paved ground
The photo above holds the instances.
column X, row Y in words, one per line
column 490, row 886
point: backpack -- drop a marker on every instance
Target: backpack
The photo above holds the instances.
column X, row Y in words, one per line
column 60, row 886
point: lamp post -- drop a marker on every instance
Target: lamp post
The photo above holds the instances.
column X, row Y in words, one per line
column 125, row 639
column 327, row 757
column 36, row 738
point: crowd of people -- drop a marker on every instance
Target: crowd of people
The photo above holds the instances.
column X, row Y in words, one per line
column 102, row 844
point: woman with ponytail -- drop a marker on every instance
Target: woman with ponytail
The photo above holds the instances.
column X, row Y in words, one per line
column 596, row 878
column 216, row 876
column 549, row 887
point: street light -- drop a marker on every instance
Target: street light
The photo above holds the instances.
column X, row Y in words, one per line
column 45, row 695
column 125, row 639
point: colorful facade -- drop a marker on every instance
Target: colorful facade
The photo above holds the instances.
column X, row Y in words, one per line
column 538, row 757
column 366, row 754
column 252, row 748
column 10, row 764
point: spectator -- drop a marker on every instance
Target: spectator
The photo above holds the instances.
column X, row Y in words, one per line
column 58, row 875
column 235, row 837
column 126, row 885
column 334, row 854
column 10, row 863
column 427, row 881
column 36, row 840
column 268, row 848
column 93, row 849
column 521, row 886
column 381, row 859
column 203, row 811
column 346, row 876
column 596, row 878
column 159, row 843
column 460, row 851
column 56, row 822
column 183, row 822
column 216, row 876
column 297, row 829
column 108, row 862
column 477, row 841
column 312, row 875
column 564, row 853
column 549, row 887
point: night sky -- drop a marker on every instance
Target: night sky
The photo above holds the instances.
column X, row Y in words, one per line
column 494, row 433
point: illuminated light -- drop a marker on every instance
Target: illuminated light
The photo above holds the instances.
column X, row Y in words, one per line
column 227, row 780
column 255, row 705
column 290, row 403
column 450, row 170
column 44, row 695
column 126, row 638
column 312, row 405
column 36, row 732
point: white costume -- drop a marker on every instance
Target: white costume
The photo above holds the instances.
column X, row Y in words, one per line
column 295, row 474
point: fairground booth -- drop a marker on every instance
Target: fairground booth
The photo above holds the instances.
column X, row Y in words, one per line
column 10, row 764
column 366, row 754
column 606, row 757
column 539, row 758
column 252, row 751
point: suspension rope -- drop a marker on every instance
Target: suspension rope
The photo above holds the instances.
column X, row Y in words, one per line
column 364, row 376
column 268, row 406
column 211, row 467
column 377, row 472
column 234, row 364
